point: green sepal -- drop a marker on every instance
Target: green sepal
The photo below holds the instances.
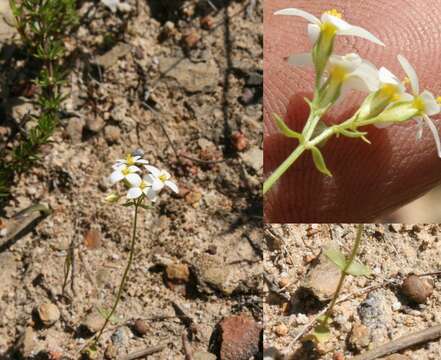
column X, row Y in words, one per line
column 352, row 133
column 284, row 129
column 319, row 161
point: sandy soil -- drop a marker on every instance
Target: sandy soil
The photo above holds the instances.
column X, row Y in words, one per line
column 391, row 251
column 184, row 69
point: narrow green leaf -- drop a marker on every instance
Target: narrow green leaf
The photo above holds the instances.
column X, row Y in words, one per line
column 358, row 269
column 337, row 257
column 319, row 161
column 352, row 133
column 284, row 129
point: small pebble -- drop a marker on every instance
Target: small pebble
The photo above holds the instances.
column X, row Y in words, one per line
column 207, row 22
column 178, row 273
column 359, row 337
column 111, row 352
column 284, row 281
column 338, row 356
column 112, row 134
column 48, row 314
column 240, row 142
column 141, row 327
column 191, row 39
column 416, row 289
column 281, row 329
column 93, row 322
column 396, row 306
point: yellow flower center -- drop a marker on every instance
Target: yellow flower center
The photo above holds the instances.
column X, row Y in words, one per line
column 125, row 171
column 143, row 184
column 163, row 177
column 438, row 100
column 390, row 91
column 418, row 103
column 130, row 160
column 338, row 74
column 335, row 13
column 406, row 81
column 328, row 29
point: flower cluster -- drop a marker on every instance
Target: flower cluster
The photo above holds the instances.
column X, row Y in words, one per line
column 388, row 101
column 129, row 172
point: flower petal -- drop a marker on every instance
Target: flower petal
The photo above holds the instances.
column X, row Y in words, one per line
column 152, row 195
column 406, row 97
column 154, row 182
column 133, row 169
column 172, row 186
column 340, row 24
column 142, row 161
column 297, row 12
column 134, row 193
column 165, row 175
column 361, row 33
column 134, row 179
column 153, row 169
column 348, row 62
column 434, row 130
column 420, row 127
column 116, row 176
column 431, row 105
column 313, row 32
column 304, row 59
column 387, row 77
column 364, row 78
column 411, row 73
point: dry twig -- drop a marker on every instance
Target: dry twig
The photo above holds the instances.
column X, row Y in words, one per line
column 401, row 343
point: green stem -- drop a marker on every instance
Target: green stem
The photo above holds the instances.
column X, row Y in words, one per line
column 283, row 167
column 126, row 271
column 294, row 156
column 354, row 251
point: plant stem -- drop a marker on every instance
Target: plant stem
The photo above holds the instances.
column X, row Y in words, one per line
column 354, row 251
column 126, row 271
column 283, row 167
column 300, row 149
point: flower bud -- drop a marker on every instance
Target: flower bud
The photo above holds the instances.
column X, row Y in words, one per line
column 112, row 198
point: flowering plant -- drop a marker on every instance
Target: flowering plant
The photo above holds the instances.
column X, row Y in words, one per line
column 139, row 187
column 387, row 101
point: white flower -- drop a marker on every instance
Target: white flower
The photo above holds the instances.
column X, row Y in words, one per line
column 331, row 23
column 125, row 172
column 424, row 102
column 391, row 90
column 152, row 184
column 142, row 186
column 160, row 178
column 130, row 160
column 343, row 73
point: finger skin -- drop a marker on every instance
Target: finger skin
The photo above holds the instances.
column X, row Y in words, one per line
column 368, row 180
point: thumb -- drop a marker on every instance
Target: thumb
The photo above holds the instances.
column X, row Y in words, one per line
column 368, row 180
